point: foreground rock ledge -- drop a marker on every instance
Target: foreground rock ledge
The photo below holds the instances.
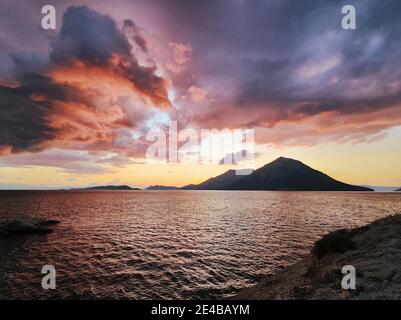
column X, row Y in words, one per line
column 22, row 226
column 374, row 251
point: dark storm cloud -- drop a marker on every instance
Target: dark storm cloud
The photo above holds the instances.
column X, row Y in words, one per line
column 132, row 30
column 293, row 57
column 89, row 37
column 25, row 109
column 28, row 63
column 22, row 122
column 33, row 84
column 92, row 38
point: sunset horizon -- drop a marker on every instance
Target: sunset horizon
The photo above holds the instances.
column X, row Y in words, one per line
column 155, row 182
column 92, row 115
column 184, row 158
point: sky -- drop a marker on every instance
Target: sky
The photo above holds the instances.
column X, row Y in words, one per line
column 77, row 102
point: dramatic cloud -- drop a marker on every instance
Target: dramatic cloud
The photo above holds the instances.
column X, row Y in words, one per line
column 91, row 39
column 285, row 68
column 290, row 62
column 22, row 123
column 90, row 91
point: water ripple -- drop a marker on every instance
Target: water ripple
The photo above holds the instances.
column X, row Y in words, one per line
column 170, row 245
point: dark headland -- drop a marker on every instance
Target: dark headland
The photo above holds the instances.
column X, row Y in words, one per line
column 374, row 251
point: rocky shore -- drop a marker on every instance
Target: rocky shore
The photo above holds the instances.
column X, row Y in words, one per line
column 374, row 250
column 23, row 226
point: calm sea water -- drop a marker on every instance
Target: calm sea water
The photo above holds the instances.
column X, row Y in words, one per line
column 170, row 244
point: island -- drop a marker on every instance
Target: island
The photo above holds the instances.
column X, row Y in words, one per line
column 159, row 187
column 282, row 174
column 111, row 187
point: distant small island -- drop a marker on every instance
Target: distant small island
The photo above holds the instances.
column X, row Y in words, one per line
column 111, row 187
column 398, row 189
column 158, row 187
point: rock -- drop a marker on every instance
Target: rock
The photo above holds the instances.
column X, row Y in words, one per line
column 374, row 251
column 21, row 226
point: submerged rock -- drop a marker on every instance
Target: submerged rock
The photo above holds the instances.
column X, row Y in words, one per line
column 21, row 226
column 374, row 251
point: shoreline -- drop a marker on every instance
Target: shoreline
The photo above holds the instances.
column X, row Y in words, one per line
column 374, row 250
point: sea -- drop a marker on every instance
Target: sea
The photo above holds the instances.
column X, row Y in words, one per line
column 170, row 244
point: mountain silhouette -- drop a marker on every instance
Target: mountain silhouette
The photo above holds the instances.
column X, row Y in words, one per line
column 281, row 174
column 124, row 187
column 398, row 189
column 188, row 187
column 221, row 182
